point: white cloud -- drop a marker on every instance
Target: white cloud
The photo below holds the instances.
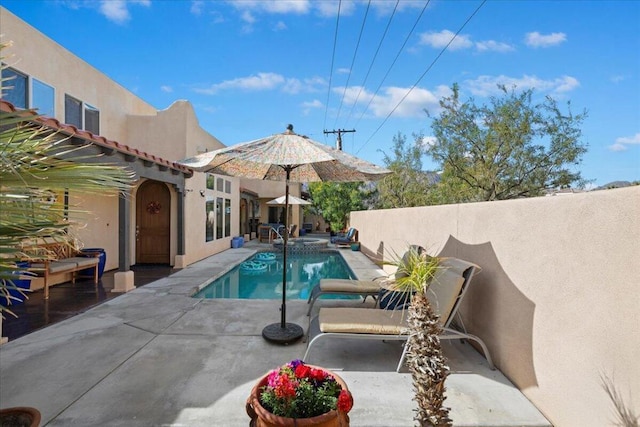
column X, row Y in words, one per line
column 413, row 105
column 293, row 86
column 617, row 78
column 261, row 81
column 488, row 85
column 167, row 89
column 427, row 141
column 307, row 106
column 329, row 9
column 248, row 17
column 441, row 39
column 343, row 70
column 623, row 142
column 535, row 39
column 115, row 10
column 273, row 6
column 118, row 11
column 197, row 6
column 617, row 147
column 494, row 46
column 266, row 81
column 280, row 26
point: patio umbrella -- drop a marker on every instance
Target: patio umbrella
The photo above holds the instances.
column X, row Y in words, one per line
column 285, row 157
column 282, row 201
column 293, row 200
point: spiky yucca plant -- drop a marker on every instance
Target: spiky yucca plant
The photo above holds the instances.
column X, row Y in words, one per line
column 425, row 359
column 35, row 163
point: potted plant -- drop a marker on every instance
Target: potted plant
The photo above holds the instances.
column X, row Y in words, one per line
column 425, row 359
column 20, row 417
column 297, row 394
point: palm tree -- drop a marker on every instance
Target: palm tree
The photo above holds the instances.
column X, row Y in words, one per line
column 425, row 359
column 37, row 163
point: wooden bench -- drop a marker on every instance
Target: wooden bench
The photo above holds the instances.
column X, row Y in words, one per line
column 47, row 259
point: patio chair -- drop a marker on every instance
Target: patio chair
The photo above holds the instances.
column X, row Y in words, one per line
column 365, row 288
column 349, row 237
column 445, row 294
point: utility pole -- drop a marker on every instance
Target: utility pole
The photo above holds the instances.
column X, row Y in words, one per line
column 339, row 132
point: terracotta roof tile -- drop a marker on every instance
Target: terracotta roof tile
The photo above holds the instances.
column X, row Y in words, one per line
column 99, row 140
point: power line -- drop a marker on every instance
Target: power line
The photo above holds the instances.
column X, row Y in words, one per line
column 353, row 60
column 394, row 60
column 423, row 74
column 373, row 60
column 333, row 56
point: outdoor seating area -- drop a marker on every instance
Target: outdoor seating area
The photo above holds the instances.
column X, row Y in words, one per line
column 445, row 295
column 209, row 382
column 347, row 238
column 62, row 258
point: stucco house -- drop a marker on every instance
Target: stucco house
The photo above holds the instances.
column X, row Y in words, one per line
column 173, row 215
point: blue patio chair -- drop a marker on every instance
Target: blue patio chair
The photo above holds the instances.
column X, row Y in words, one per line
column 349, row 237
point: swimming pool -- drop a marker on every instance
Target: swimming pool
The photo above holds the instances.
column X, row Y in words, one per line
column 262, row 278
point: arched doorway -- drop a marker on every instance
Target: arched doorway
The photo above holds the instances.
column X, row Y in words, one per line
column 153, row 223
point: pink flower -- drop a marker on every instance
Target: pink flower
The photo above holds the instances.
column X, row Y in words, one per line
column 285, row 388
column 272, row 379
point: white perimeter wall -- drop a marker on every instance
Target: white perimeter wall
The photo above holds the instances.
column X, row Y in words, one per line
column 558, row 299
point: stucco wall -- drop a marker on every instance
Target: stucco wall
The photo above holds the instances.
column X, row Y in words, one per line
column 69, row 74
column 173, row 134
column 557, row 300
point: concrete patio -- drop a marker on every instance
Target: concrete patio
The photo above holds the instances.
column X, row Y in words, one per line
column 157, row 357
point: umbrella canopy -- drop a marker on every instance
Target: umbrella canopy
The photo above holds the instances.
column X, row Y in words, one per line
column 285, row 157
column 293, row 200
column 270, row 158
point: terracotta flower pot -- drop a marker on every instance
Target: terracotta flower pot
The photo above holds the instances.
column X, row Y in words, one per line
column 20, row 417
column 260, row 417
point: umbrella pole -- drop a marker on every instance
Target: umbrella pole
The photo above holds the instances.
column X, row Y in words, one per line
column 283, row 332
column 285, row 238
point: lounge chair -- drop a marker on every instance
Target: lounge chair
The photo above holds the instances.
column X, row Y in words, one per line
column 349, row 237
column 445, row 294
column 366, row 288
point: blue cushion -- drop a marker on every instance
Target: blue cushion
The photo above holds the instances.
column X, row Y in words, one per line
column 394, row 300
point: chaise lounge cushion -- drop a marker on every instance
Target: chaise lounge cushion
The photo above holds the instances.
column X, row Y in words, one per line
column 67, row 264
column 362, row 321
column 349, row 285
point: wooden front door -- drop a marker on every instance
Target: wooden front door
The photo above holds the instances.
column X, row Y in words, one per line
column 153, row 216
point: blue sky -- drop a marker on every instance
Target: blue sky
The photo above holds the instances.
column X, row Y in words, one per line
column 251, row 67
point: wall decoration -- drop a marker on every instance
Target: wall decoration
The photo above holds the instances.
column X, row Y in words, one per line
column 154, row 208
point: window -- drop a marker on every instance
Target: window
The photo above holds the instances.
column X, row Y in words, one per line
column 81, row 115
column 73, row 111
column 219, row 218
column 218, row 208
column 42, row 98
column 227, row 217
column 14, row 88
column 24, row 92
column 91, row 119
column 210, row 221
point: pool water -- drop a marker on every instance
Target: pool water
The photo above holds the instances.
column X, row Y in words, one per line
column 261, row 278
